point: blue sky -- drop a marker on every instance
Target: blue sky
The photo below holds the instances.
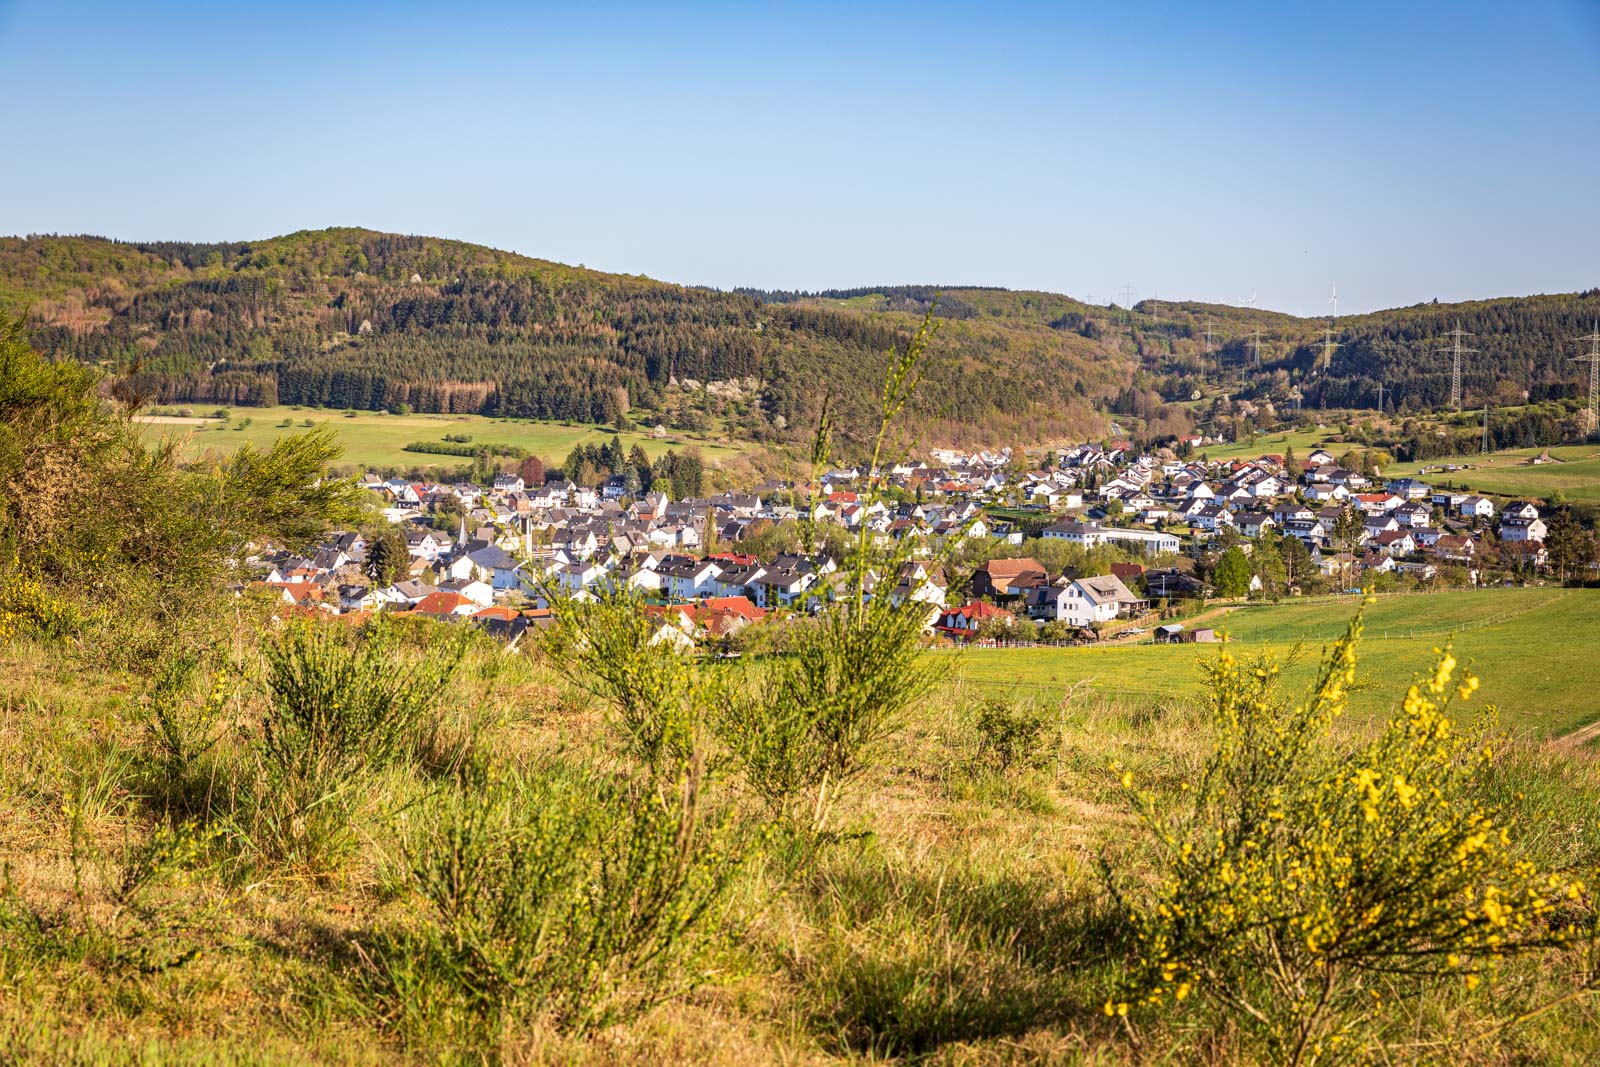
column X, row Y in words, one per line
column 1401, row 151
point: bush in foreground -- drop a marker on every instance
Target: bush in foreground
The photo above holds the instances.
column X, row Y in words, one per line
column 1305, row 888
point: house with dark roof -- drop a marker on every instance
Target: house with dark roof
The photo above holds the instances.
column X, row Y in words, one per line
column 997, row 577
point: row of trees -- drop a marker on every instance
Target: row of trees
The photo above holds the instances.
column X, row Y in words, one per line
column 679, row 474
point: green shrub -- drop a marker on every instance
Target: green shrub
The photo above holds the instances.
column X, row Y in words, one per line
column 178, row 730
column 817, row 716
column 1010, row 736
column 570, row 893
column 341, row 706
column 1306, row 886
column 345, row 702
column 609, row 646
column 28, row 608
column 449, row 448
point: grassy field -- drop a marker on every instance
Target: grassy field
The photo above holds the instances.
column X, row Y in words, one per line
column 1302, row 441
column 960, row 916
column 378, row 439
column 1509, row 474
column 1533, row 648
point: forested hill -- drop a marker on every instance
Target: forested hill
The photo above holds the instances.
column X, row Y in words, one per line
column 1523, row 347
column 1522, row 350
column 352, row 318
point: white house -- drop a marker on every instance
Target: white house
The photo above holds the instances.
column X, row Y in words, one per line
column 686, row 578
column 1521, row 529
column 1099, row 599
column 578, row 576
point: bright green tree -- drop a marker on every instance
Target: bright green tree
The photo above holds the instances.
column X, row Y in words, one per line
column 1232, row 576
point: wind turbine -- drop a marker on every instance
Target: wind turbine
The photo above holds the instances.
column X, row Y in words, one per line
column 1328, row 344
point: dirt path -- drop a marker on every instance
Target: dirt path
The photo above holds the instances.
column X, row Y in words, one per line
column 1189, row 622
column 1579, row 738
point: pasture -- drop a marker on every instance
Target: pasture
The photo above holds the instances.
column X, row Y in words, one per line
column 1575, row 474
column 1302, row 441
column 1533, row 649
column 378, row 439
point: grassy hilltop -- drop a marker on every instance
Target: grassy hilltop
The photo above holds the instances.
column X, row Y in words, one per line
column 965, row 919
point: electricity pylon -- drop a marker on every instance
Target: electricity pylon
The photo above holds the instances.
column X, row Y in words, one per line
column 1593, row 359
column 1456, row 352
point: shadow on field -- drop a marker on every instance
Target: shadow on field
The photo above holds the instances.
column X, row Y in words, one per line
column 900, row 963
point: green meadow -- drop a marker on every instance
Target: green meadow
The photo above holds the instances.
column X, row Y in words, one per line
column 1534, row 649
column 378, row 439
column 1302, row 441
column 1576, row 474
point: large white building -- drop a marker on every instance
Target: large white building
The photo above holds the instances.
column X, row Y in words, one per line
column 1090, row 534
column 1154, row 542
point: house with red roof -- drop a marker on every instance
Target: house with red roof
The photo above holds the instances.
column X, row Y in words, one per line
column 965, row 621
column 444, row 605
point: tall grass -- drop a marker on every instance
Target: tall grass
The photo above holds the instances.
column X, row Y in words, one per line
column 568, row 893
column 341, row 708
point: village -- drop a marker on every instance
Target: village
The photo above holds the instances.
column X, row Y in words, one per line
column 1132, row 538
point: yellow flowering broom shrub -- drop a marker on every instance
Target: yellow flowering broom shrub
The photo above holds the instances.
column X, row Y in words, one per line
column 28, row 608
column 1304, row 885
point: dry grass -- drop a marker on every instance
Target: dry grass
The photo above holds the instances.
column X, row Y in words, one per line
column 960, row 918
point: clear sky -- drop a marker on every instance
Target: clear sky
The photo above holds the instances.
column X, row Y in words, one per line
column 1204, row 151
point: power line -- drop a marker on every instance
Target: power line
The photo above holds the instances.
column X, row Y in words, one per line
column 1593, row 359
column 1328, row 345
column 1206, row 359
column 1456, row 352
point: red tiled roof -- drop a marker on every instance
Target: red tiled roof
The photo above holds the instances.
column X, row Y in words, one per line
column 979, row 609
column 736, row 605
column 1006, row 569
column 300, row 592
column 441, row 603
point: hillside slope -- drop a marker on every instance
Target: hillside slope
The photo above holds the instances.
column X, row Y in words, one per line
column 1523, row 345
column 351, row 318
